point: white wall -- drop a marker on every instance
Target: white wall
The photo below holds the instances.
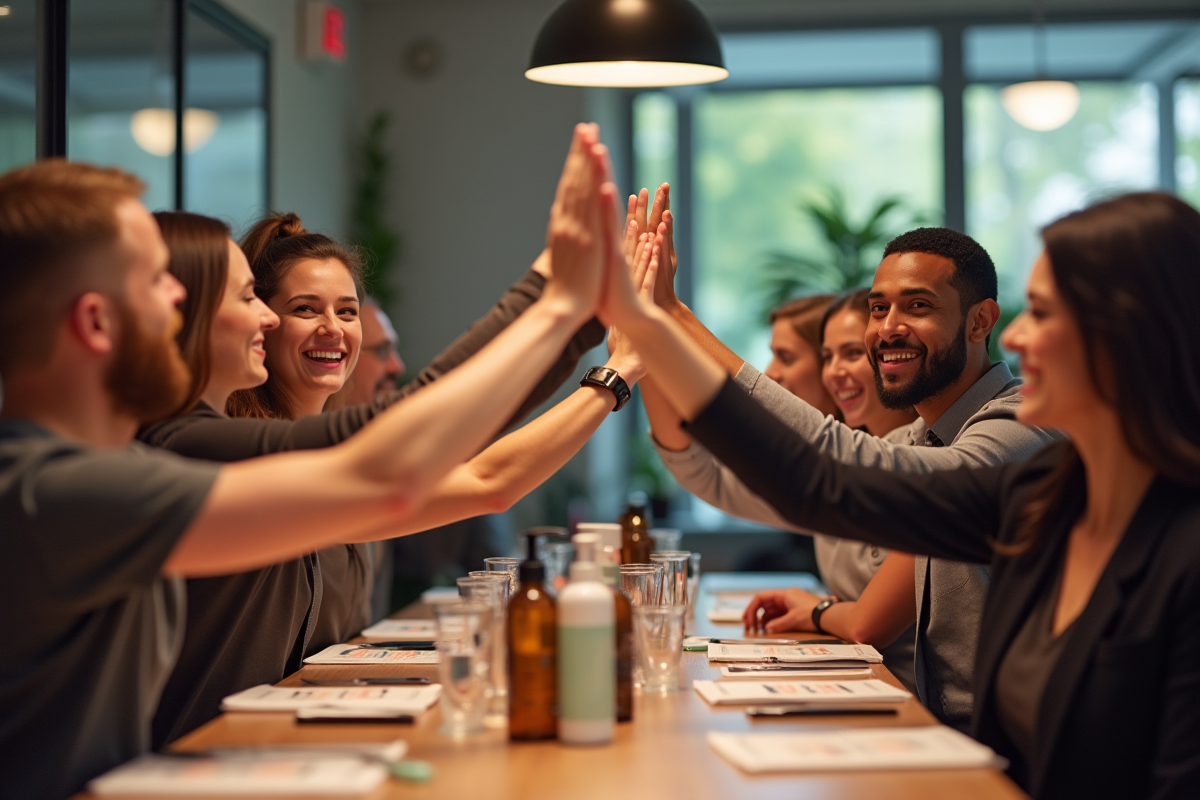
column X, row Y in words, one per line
column 477, row 151
column 312, row 115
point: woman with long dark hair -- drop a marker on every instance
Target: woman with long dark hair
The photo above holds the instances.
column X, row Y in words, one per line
column 1088, row 664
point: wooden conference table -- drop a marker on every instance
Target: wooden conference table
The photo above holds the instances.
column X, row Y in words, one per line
column 661, row 755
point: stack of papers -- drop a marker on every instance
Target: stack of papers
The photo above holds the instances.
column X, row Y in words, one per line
column 729, row 606
column 353, row 654
column 724, row 693
column 933, row 747
column 155, row 775
column 854, row 656
column 385, row 700
column 402, row 630
column 779, row 672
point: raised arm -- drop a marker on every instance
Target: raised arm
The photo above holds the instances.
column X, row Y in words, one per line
column 950, row 515
column 278, row 507
column 521, row 461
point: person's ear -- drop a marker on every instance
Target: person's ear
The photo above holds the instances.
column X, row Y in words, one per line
column 981, row 318
column 93, row 322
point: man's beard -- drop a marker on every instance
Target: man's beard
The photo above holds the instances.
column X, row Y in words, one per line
column 148, row 378
column 939, row 369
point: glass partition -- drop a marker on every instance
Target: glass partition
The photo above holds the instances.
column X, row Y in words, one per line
column 18, row 83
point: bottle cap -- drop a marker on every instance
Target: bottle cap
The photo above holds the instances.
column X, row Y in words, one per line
column 609, row 532
column 532, row 570
column 584, row 567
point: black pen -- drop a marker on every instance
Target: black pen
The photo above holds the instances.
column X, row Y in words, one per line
column 397, row 645
column 380, row 681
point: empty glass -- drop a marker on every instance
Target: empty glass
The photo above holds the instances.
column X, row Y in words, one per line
column 675, row 568
column 666, row 538
column 492, row 593
column 693, row 583
column 557, row 556
column 658, row 634
column 508, row 565
column 464, row 653
column 499, row 577
column 642, row 583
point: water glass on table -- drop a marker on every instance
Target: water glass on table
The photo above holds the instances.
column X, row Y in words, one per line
column 507, row 565
column 658, row 634
column 642, row 583
column 693, row 583
column 464, row 655
column 557, row 556
column 491, row 592
column 675, row 567
column 666, row 538
column 500, row 578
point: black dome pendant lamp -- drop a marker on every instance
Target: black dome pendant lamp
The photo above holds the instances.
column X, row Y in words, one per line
column 627, row 43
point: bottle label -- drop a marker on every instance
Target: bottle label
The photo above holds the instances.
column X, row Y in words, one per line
column 586, row 672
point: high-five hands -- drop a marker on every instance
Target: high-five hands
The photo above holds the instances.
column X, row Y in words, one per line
column 574, row 237
column 649, row 218
column 644, row 268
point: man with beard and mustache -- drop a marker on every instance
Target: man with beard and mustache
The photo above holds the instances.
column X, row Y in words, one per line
column 97, row 531
column 932, row 309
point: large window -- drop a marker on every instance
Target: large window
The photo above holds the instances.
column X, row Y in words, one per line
column 18, row 84
column 126, row 64
column 835, row 122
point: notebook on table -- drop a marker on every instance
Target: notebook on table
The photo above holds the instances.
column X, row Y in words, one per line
column 784, row 672
column 402, row 630
column 853, row 656
column 722, row 693
column 353, row 654
column 932, row 747
column 308, row 776
column 410, row 700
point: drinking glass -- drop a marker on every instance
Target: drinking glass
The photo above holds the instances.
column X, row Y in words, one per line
column 693, row 583
column 508, row 565
column 642, row 583
column 557, row 558
column 491, row 592
column 658, row 633
column 675, row 564
column 464, row 652
column 499, row 577
column 666, row 538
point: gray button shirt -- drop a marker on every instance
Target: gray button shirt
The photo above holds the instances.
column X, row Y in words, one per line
column 979, row 429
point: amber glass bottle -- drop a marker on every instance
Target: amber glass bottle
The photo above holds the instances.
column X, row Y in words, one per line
column 624, row 629
column 636, row 544
column 532, row 655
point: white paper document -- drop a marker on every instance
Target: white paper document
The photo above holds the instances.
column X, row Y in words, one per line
column 932, row 747
column 397, row 700
column 402, row 630
column 352, row 654
column 779, row 672
column 847, row 655
column 729, row 606
column 158, row 776
column 724, row 693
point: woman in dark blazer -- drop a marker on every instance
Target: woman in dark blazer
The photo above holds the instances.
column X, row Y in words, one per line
column 1088, row 666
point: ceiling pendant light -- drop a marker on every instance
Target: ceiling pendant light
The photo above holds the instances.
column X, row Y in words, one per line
column 1039, row 104
column 633, row 43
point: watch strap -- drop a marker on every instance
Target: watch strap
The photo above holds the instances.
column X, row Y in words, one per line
column 608, row 378
column 820, row 609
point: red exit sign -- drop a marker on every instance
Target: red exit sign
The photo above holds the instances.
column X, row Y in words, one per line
column 322, row 31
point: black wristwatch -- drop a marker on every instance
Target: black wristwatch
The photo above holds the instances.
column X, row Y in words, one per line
column 818, row 610
column 608, row 379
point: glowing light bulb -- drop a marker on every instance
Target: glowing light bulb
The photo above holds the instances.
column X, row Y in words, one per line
column 1041, row 105
column 154, row 129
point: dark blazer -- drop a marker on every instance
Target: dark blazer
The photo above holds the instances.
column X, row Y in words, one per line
column 1120, row 716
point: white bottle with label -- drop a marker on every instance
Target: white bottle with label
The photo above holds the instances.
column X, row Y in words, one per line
column 587, row 665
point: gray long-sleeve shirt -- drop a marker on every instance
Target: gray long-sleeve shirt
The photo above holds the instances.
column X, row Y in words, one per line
column 979, row 429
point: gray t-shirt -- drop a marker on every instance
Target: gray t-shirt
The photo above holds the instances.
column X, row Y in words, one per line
column 91, row 628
